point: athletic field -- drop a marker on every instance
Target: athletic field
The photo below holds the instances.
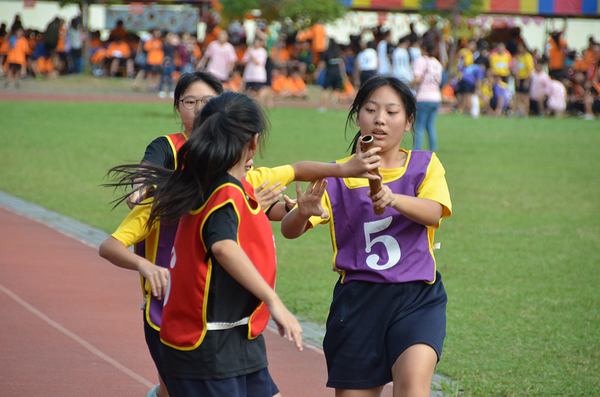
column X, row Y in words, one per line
column 518, row 257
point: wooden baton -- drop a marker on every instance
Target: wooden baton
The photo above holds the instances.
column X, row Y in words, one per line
column 374, row 185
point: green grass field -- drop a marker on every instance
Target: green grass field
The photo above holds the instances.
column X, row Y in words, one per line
column 518, row 256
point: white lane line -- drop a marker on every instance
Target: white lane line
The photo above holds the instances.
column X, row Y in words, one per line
column 77, row 339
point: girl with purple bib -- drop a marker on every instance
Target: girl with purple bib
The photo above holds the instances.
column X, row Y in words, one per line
column 387, row 320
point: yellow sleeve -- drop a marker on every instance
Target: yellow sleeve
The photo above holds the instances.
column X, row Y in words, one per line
column 133, row 228
column 434, row 186
column 258, row 176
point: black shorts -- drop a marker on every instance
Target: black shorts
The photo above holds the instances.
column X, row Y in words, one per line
column 15, row 67
column 154, row 68
column 155, row 346
column 370, row 325
column 257, row 384
column 466, row 88
column 333, row 82
column 523, row 86
column 254, row 86
column 366, row 75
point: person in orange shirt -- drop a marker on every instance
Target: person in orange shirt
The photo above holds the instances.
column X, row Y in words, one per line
column 297, row 85
column 61, row 61
column 118, row 54
column 279, row 84
column 15, row 57
column 556, row 53
column 154, row 59
column 235, row 82
column 280, row 55
column 118, row 31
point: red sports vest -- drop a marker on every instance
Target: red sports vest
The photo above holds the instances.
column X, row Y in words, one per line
column 184, row 320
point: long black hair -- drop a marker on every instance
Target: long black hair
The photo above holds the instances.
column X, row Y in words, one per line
column 222, row 131
column 365, row 92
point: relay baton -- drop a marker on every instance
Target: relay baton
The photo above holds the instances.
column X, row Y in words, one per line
column 374, row 185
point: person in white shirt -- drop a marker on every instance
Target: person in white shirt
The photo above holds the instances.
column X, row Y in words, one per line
column 366, row 61
column 220, row 56
column 385, row 66
column 401, row 67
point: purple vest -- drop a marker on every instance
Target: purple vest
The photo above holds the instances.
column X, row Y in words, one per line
column 388, row 248
column 166, row 238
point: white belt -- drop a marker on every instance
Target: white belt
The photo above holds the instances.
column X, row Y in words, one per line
column 215, row 326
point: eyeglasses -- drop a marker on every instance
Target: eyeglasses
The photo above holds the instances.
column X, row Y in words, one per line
column 190, row 103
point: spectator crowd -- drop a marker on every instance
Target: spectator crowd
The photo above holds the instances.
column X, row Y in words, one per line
column 494, row 75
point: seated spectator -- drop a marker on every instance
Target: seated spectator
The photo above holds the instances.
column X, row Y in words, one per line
column 297, row 85
column 500, row 95
column 118, row 54
column 235, row 82
column 470, row 87
column 280, row 84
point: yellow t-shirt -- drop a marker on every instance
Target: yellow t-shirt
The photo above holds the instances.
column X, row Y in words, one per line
column 525, row 65
column 500, row 63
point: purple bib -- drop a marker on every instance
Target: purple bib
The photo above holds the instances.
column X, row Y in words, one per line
column 388, row 248
column 166, row 238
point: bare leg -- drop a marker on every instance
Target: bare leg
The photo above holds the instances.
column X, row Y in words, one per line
column 162, row 389
column 413, row 371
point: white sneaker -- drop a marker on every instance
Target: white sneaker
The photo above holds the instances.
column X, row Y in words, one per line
column 589, row 117
column 321, row 110
column 162, row 94
column 172, row 95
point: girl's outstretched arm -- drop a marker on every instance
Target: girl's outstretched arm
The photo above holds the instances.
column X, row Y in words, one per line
column 116, row 253
column 235, row 261
column 295, row 223
column 357, row 167
column 420, row 210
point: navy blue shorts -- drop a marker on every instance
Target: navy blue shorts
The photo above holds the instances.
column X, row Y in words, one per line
column 254, row 86
column 155, row 346
column 370, row 325
column 256, row 384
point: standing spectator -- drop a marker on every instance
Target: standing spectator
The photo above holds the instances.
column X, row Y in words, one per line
column 500, row 62
column 540, row 82
column 140, row 61
column 333, row 64
column 220, row 56
column 524, row 70
column 75, row 37
column 51, row 37
column 16, row 57
column 557, row 51
column 428, row 78
column 154, row 59
column 255, row 72
column 384, row 66
column 366, row 61
column 170, row 49
column 415, row 47
column 401, row 67
column 465, row 56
